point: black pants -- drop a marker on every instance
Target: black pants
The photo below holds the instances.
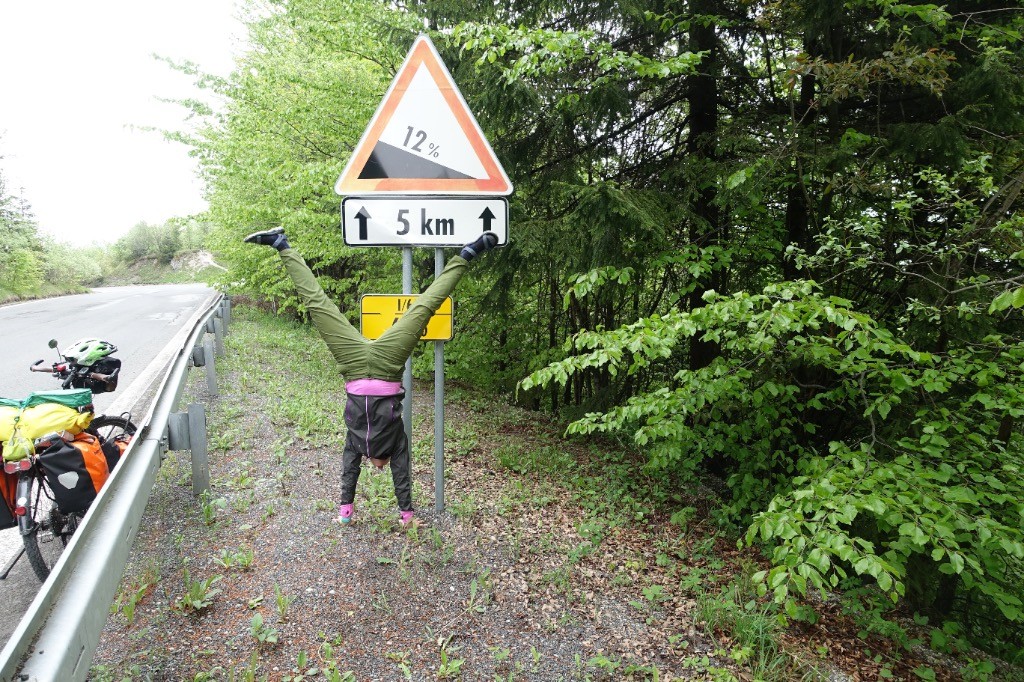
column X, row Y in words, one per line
column 375, row 429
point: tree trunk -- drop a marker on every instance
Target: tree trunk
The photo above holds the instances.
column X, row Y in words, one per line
column 796, row 200
column 702, row 148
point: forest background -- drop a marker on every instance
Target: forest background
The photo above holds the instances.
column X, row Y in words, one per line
column 772, row 244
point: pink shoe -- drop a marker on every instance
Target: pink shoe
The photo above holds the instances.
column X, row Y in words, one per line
column 345, row 513
column 406, row 517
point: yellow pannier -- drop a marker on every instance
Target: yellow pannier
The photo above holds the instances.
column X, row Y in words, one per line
column 46, row 412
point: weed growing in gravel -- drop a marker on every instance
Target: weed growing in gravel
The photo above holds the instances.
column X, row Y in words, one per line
column 241, row 558
column 243, row 480
column 281, row 477
column 330, row 670
column 500, row 654
column 434, row 537
column 608, row 668
column 134, row 592
column 535, row 656
column 463, row 507
column 303, row 670
column 568, row 618
column 208, row 507
column 405, row 561
column 560, row 579
column 263, row 632
column 377, row 494
column 248, row 673
column 654, row 595
column 172, row 470
column 450, row 666
column 229, row 412
column 282, row 602
column 444, row 552
column 281, row 456
column 593, row 532
column 380, row 603
column 199, row 594
column 515, row 545
column 401, row 659
column 222, row 440
column 512, row 497
column 621, row 579
column 479, row 593
column 103, row 673
column 243, row 501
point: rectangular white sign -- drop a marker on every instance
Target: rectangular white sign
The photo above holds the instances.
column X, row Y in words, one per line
column 422, row 221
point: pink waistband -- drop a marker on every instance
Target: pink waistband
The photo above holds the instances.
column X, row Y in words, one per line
column 376, row 387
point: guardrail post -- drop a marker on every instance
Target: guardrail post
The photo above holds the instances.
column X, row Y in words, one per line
column 209, row 326
column 211, row 371
column 226, row 302
column 218, row 331
column 197, row 356
column 200, row 452
column 187, row 431
column 177, row 431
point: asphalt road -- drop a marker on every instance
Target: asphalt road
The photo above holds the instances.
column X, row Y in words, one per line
column 139, row 320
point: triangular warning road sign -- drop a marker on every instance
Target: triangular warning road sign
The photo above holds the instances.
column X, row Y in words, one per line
column 423, row 138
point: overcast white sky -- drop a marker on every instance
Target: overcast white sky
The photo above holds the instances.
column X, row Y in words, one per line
column 74, row 78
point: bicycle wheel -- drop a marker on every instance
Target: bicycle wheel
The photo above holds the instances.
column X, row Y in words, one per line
column 44, row 528
column 108, row 427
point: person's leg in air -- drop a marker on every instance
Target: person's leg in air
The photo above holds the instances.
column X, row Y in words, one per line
column 344, row 341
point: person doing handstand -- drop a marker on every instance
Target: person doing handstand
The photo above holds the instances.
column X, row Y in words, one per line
column 373, row 369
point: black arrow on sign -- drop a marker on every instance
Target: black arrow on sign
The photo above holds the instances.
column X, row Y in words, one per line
column 487, row 217
column 362, row 217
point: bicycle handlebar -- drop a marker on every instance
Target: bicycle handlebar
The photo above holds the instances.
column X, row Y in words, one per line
column 56, row 368
column 64, row 370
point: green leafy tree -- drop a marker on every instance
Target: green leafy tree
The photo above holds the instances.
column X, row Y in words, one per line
column 842, row 259
column 142, row 241
column 20, row 271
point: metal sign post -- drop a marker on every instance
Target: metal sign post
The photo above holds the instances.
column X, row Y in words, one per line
column 407, row 376
column 438, row 404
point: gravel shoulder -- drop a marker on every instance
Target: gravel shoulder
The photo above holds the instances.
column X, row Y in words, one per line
column 487, row 589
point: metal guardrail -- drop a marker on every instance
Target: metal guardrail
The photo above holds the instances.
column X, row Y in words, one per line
column 58, row 635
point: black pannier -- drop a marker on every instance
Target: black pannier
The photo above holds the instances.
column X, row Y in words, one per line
column 7, row 519
column 112, row 454
column 108, row 365
column 75, row 472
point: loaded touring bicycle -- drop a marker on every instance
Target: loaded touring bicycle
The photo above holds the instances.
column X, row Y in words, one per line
column 57, row 454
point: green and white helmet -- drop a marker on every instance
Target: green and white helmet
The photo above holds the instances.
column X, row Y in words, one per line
column 87, row 351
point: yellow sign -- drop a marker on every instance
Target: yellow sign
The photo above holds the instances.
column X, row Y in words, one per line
column 379, row 312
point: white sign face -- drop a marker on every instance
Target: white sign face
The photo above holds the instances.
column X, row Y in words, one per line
column 423, row 139
column 424, row 126
column 422, row 221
